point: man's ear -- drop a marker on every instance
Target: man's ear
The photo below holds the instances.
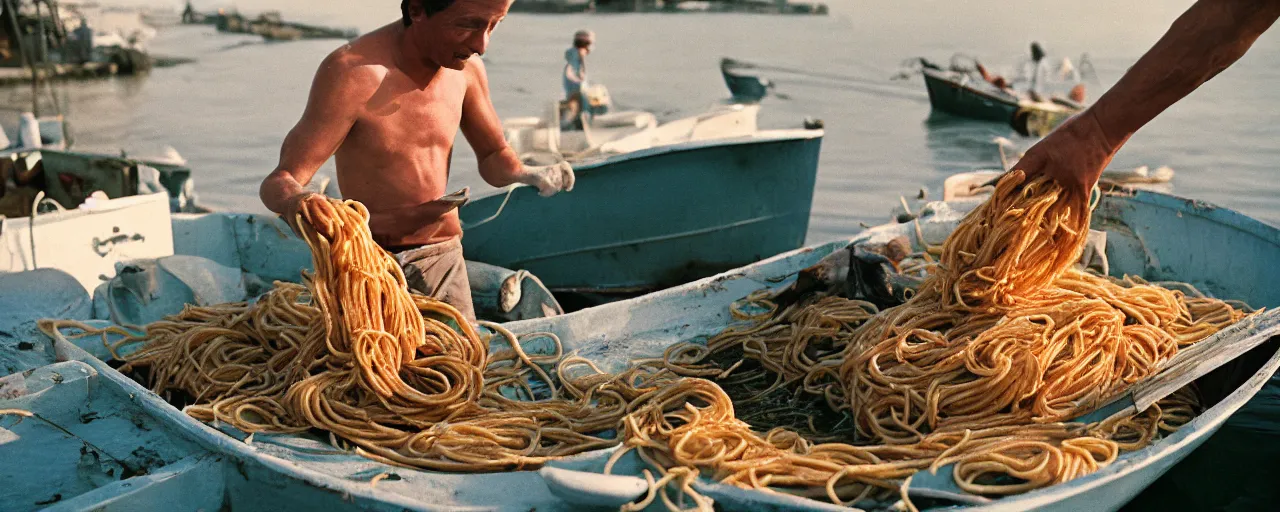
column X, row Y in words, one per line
column 416, row 13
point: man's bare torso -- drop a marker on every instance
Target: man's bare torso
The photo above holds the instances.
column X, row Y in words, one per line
column 396, row 155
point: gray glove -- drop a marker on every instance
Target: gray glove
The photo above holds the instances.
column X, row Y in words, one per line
column 549, row 179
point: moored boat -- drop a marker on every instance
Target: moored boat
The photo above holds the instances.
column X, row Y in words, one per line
column 745, row 87
column 654, row 204
column 652, row 218
column 963, row 95
column 1157, row 236
column 557, row 134
column 130, row 252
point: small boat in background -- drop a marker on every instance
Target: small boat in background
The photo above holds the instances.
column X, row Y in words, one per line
column 655, row 217
column 654, row 204
column 607, row 132
column 37, row 171
column 160, row 17
column 74, row 40
column 745, row 87
column 272, row 27
column 977, row 184
column 959, row 94
column 961, row 91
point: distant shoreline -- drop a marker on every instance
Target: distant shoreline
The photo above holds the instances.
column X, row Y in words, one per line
column 779, row 7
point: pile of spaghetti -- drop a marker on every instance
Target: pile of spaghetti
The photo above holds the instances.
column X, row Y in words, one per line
column 984, row 367
column 351, row 352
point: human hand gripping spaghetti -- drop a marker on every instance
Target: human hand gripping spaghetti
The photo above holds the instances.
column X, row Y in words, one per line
column 1074, row 155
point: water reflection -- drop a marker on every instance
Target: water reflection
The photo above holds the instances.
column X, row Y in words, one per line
column 959, row 145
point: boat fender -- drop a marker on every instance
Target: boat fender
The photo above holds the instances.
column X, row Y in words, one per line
column 505, row 295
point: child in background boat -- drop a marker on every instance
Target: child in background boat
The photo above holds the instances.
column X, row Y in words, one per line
column 574, row 77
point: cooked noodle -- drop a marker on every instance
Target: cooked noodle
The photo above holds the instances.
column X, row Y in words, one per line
column 984, row 367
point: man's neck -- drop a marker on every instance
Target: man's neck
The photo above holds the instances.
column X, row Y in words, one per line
column 411, row 59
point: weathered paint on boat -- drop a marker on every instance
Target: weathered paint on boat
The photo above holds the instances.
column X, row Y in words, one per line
column 141, row 262
column 656, row 217
column 67, row 176
column 960, row 99
column 1157, row 236
column 1153, row 235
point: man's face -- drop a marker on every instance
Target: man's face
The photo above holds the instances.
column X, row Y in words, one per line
column 450, row 37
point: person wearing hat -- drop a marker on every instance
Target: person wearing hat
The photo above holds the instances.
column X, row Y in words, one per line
column 574, row 77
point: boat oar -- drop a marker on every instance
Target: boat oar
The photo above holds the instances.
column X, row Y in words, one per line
column 1184, row 368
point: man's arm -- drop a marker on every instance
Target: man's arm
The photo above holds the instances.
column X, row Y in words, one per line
column 499, row 164
column 1206, row 39
column 338, row 92
column 572, row 72
column 1210, row 37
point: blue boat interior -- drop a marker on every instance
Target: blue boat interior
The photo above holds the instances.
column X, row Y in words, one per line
column 100, row 440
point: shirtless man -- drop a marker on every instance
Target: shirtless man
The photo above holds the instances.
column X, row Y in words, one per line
column 387, row 106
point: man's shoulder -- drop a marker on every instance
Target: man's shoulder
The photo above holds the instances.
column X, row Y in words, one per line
column 365, row 59
column 353, row 68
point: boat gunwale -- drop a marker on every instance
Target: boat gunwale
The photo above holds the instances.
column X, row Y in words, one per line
column 762, row 136
column 1201, row 427
column 1042, row 106
column 937, row 76
column 220, row 442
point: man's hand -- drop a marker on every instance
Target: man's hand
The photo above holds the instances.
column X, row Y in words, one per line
column 293, row 207
column 1074, row 155
column 549, row 179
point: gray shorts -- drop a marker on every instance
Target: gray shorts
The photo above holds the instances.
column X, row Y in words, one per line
column 440, row 272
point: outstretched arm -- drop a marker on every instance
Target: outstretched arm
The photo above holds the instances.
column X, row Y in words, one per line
column 1206, row 39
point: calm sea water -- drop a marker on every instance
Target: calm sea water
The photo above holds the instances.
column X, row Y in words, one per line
column 228, row 112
